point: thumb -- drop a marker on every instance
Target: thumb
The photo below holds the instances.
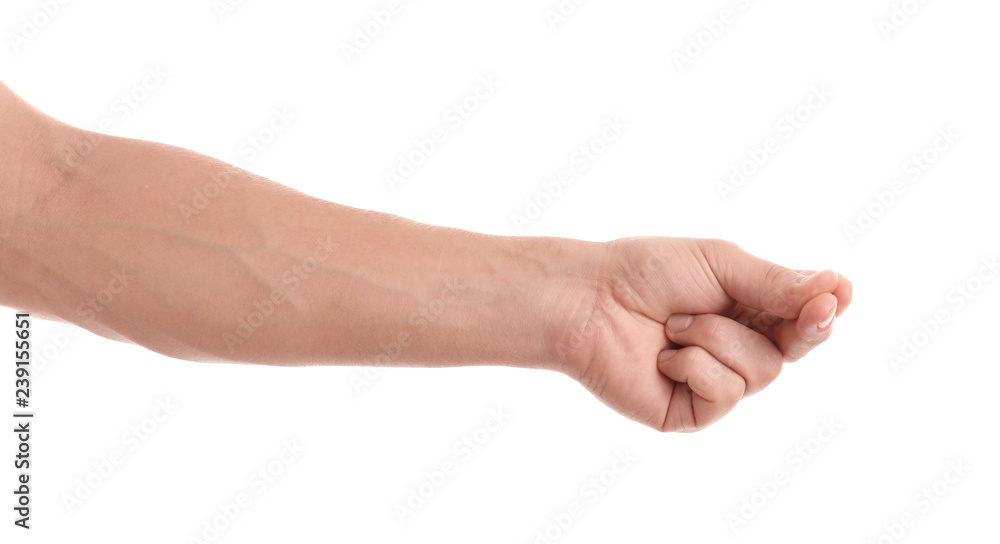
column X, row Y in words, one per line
column 763, row 285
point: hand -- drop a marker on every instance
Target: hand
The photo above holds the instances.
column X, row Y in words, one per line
column 682, row 329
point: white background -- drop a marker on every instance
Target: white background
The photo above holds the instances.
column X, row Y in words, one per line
column 898, row 428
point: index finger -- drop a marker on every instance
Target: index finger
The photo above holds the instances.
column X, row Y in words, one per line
column 763, row 285
column 797, row 337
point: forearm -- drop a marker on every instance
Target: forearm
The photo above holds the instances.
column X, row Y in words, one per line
column 115, row 242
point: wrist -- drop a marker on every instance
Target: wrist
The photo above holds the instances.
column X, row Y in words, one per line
column 562, row 297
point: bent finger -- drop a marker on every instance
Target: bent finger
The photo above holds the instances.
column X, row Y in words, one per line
column 716, row 387
column 763, row 285
column 797, row 337
column 747, row 352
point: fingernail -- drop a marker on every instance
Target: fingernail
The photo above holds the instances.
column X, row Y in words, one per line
column 829, row 319
column 667, row 355
column 679, row 322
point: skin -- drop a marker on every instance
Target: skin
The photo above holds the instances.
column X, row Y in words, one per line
column 107, row 233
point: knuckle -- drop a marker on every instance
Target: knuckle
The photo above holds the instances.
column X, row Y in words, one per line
column 718, row 246
column 765, row 321
column 796, row 352
column 773, row 273
column 701, row 358
column 778, row 289
column 733, row 391
column 713, row 325
column 709, row 372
